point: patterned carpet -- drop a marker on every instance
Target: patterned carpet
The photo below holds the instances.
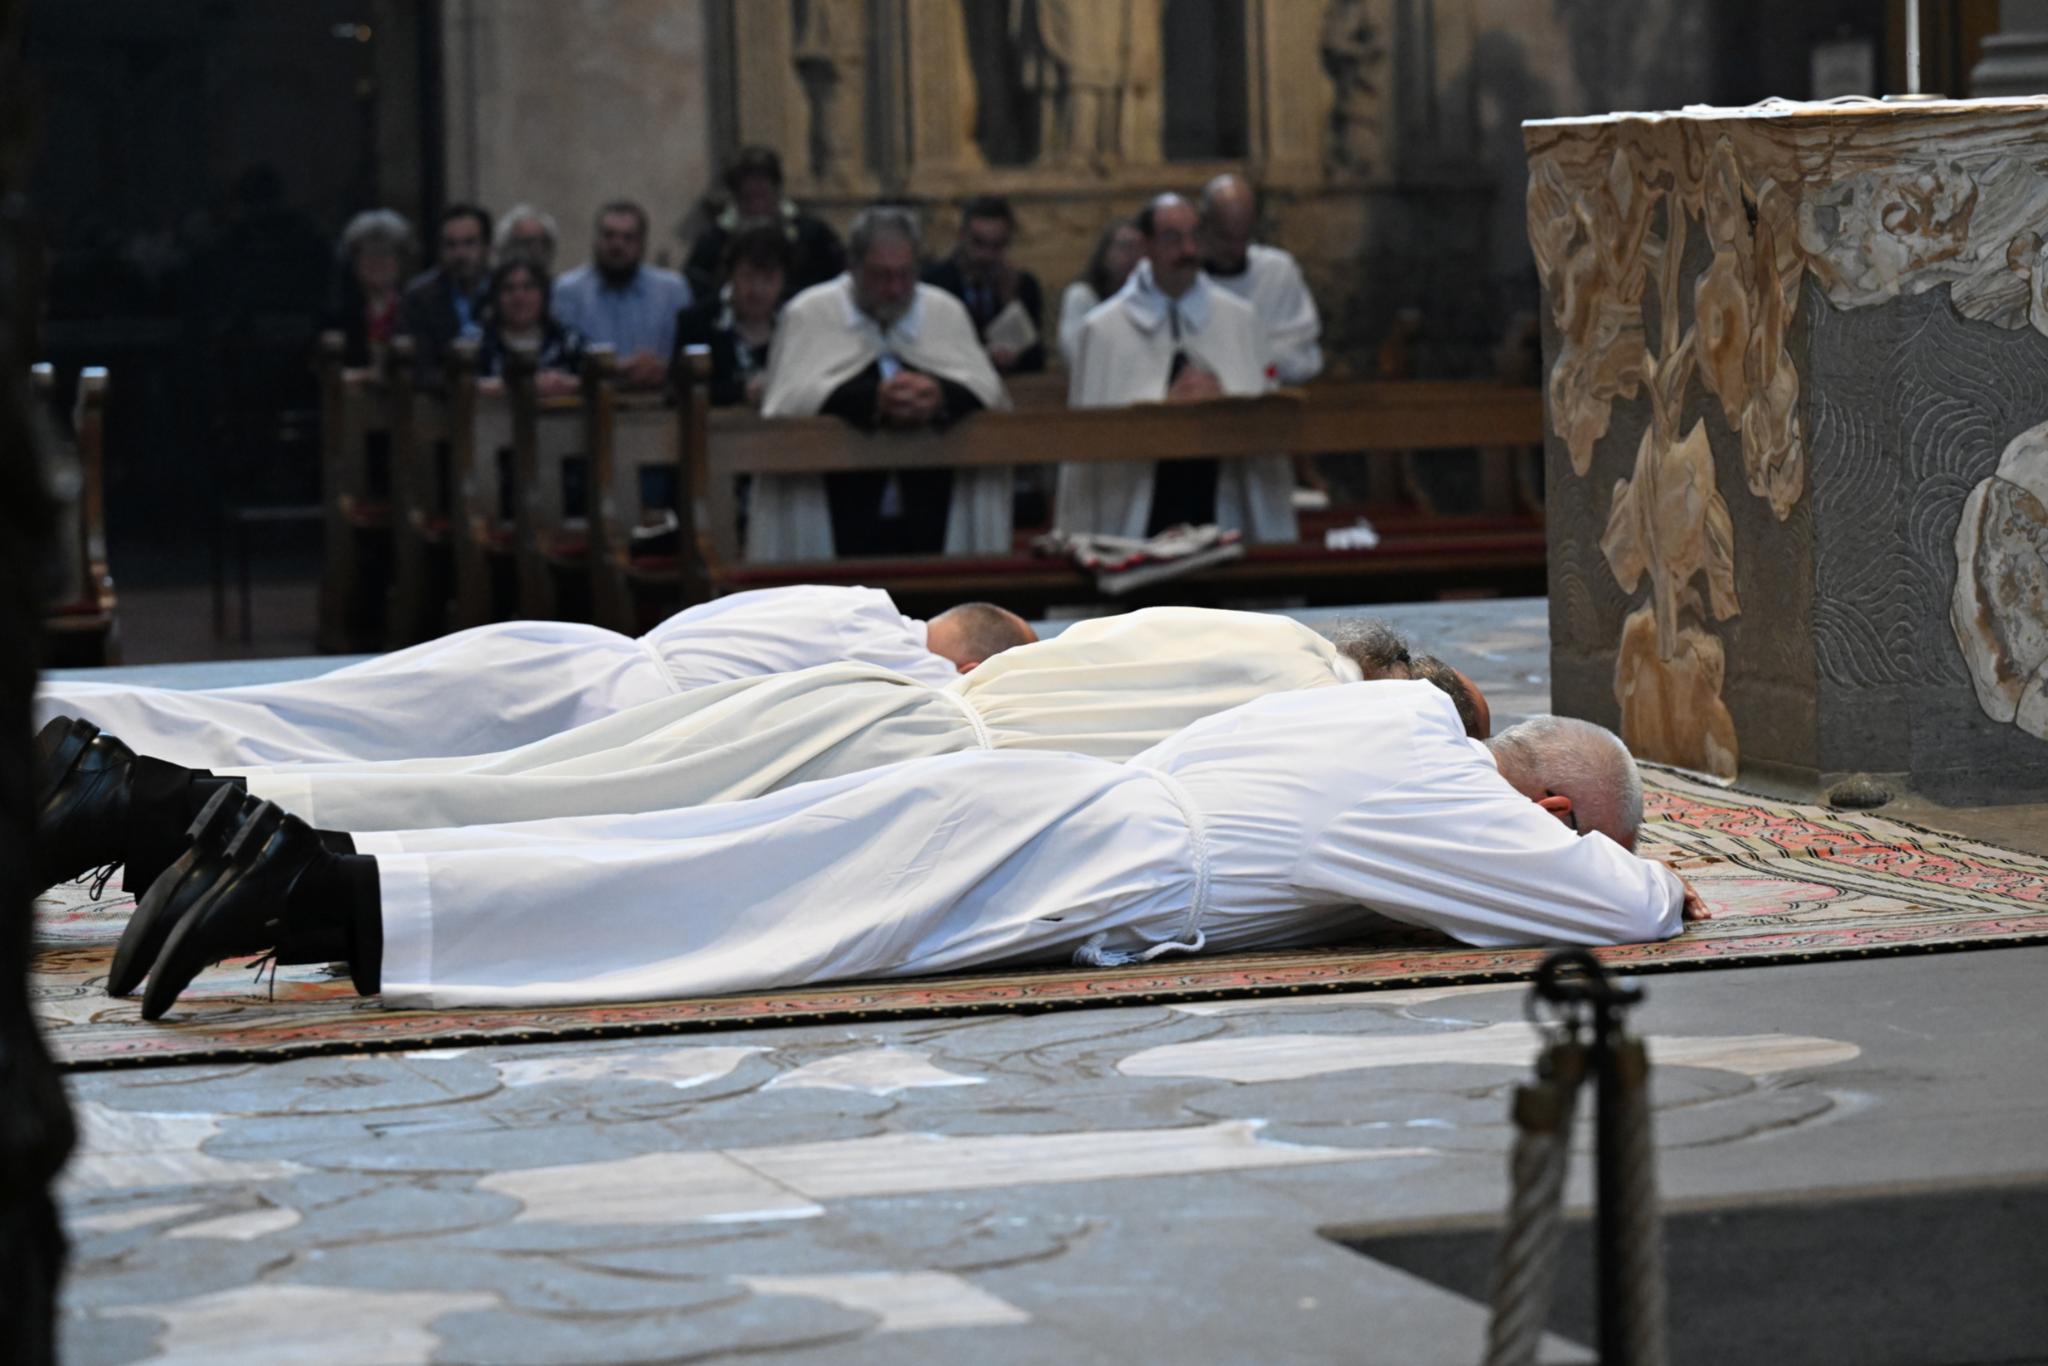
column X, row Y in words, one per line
column 1787, row 882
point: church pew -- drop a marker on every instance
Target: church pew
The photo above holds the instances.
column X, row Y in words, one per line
column 81, row 616
column 1416, row 554
column 552, row 547
column 355, row 443
column 421, row 544
column 626, row 434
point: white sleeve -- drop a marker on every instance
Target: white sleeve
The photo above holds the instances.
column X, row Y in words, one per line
column 1074, row 307
column 873, row 631
column 1463, row 853
column 1294, row 329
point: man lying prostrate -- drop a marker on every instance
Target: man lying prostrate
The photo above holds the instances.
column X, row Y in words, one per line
column 497, row 687
column 1109, row 687
column 1298, row 818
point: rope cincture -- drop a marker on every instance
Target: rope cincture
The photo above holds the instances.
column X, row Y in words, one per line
column 1629, row 1242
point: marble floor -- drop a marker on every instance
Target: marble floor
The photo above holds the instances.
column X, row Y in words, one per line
column 1137, row 1184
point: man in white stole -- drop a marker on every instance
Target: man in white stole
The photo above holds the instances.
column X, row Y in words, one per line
column 1308, row 817
column 1169, row 335
column 1108, row 687
column 881, row 350
column 512, row 683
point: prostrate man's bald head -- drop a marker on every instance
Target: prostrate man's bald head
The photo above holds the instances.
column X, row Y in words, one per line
column 974, row 632
column 1463, row 692
column 1577, row 771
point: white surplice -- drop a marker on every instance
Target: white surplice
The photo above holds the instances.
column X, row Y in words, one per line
column 1271, row 283
column 1294, row 819
column 1108, row 687
column 1125, row 356
column 497, row 687
column 1076, row 304
column 822, row 340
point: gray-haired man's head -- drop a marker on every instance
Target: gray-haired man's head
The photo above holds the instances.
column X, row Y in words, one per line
column 881, row 258
column 1579, row 772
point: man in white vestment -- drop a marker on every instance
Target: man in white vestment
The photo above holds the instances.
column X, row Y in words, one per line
column 1266, row 277
column 511, row 683
column 1300, row 818
column 1170, row 335
column 879, row 349
column 1109, row 687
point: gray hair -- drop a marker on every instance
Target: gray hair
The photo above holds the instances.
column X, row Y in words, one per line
column 376, row 228
column 881, row 220
column 1580, row 760
column 521, row 213
column 1376, row 648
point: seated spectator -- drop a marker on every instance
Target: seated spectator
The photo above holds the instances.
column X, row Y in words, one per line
column 1120, row 247
column 1172, row 335
column 740, row 322
column 529, row 232
column 753, row 185
column 447, row 302
column 980, row 275
column 366, row 306
column 520, row 317
column 880, row 350
column 620, row 301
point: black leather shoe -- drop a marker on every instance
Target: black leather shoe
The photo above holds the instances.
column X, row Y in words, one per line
column 82, row 789
column 179, row 888
column 248, row 910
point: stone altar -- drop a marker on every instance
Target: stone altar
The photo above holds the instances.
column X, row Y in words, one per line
column 1798, row 453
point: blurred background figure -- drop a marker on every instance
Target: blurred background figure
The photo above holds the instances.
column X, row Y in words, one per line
column 375, row 249
column 529, row 232
column 738, row 323
column 1006, row 303
column 1116, row 251
column 620, row 301
column 447, row 303
column 519, row 316
column 753, row 187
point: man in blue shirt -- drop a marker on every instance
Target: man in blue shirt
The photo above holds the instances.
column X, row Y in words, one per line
column 620, row 301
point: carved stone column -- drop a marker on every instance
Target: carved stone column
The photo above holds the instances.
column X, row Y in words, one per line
column 1798, row 461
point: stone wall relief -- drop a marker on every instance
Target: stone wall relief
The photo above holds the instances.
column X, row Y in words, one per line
column 1354, row 53
column 1076, row 62
column 830, row 52
column 1600, row 247
column 2000, row 607
column 1971, row 222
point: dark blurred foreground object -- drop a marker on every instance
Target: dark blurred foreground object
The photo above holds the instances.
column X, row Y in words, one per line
column 36, row 1131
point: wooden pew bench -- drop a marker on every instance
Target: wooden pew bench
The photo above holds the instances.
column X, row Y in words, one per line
column 1418, row 555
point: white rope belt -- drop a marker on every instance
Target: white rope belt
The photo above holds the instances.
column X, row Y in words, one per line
column 973, row 715
column 1095, row 951
column 667, row 674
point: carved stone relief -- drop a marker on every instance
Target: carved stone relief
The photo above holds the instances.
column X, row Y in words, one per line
column 830, row 53
column 1354, row 56
column 2000, row 607
column 1778, row 192
column 1076, row 62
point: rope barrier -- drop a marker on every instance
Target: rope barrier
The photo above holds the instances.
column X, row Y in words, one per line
column 1629, row 1242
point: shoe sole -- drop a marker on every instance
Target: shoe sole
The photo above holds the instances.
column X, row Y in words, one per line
column 173, row 894
column 175, row 966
